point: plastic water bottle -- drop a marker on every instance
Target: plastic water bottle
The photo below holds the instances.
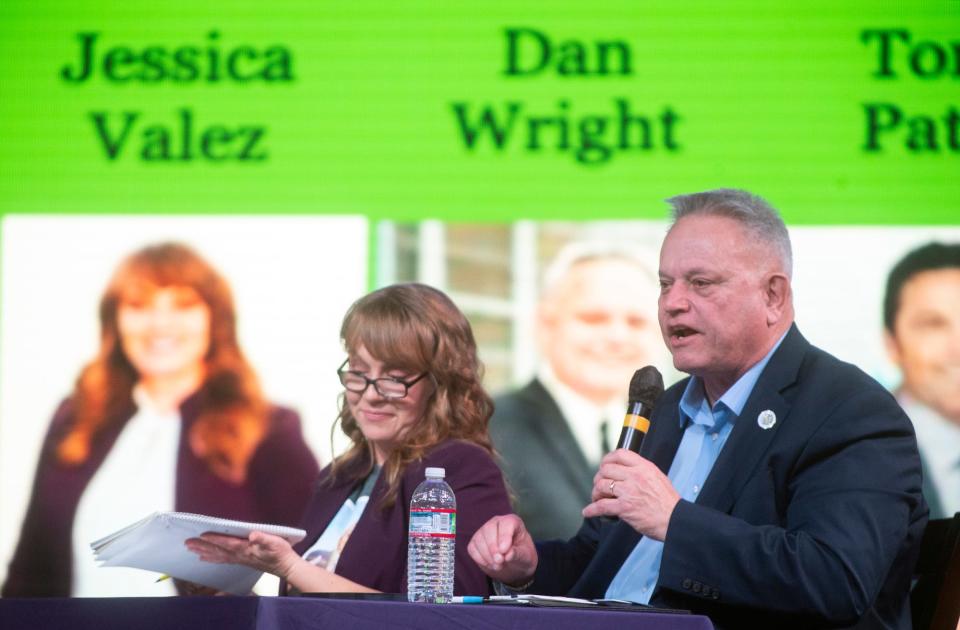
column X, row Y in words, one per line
column 431, row 541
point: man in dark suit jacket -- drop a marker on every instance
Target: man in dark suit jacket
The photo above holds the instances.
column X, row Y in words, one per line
column 806, row 512
column 595, row 326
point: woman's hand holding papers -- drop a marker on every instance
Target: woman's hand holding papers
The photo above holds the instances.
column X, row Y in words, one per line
column 502, row 547
column 264, row 552
column 271, row 554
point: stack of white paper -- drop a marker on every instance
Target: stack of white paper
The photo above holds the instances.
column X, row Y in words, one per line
column 156, row 543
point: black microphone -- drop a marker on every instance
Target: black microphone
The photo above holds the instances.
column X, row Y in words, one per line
column 646, row 386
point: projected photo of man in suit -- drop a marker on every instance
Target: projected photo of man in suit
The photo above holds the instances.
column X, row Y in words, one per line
column 595, row 325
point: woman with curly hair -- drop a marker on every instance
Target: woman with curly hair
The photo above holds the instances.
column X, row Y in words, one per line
column 168, row 416
column 412, row 400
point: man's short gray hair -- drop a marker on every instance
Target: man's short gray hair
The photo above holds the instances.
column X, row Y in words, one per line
column 751, row 211
column 577, row 252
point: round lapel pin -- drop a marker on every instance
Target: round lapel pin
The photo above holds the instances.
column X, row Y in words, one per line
column 766, row 419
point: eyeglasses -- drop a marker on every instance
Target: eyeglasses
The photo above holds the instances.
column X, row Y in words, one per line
column 387, row 386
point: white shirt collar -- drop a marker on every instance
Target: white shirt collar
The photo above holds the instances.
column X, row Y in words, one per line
column 583, row 416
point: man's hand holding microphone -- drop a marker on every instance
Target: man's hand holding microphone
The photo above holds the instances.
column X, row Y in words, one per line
column 626, row 486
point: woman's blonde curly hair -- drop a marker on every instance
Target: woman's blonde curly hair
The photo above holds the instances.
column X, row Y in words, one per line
column 416, row 328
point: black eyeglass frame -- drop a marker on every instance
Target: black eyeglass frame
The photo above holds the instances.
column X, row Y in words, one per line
column 407, row 384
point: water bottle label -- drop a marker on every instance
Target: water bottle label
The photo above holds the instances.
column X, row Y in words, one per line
column 433, row 523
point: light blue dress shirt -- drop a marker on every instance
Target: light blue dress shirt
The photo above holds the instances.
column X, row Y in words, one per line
column 707, row 430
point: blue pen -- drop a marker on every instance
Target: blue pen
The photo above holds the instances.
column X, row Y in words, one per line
column 467, row 599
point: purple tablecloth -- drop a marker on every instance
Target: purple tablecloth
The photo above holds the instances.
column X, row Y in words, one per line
column 291, row 613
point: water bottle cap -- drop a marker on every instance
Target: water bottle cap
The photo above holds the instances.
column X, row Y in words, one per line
column 436, row 473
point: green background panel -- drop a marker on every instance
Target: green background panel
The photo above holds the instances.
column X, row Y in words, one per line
column 770, row 97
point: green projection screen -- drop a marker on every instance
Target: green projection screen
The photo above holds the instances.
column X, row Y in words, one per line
column 345, row 145
column 838, row 113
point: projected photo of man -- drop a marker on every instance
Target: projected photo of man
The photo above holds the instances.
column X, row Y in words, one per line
column 595, row 325
column 168, row 415
column 922, row 319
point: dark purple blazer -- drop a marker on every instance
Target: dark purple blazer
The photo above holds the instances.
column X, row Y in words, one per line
column 280, row 476
column 376, row 552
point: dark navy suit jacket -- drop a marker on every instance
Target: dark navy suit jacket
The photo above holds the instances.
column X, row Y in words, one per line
column 546, row 468
column 814, row 522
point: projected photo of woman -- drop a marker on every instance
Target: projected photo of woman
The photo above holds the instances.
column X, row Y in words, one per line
column 168, row 415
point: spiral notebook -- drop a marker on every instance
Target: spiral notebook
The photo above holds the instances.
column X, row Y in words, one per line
column 156, row 543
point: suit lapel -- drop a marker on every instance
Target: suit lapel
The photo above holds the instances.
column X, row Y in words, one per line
column 749, row 441
column 559, row 439
column 610, row 556
column 371, row 554
column 321, row 513
column 662, row 441
column 659, row 446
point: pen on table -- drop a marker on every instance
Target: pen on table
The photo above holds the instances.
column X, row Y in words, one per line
column 161, row 578
column 467, row 599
